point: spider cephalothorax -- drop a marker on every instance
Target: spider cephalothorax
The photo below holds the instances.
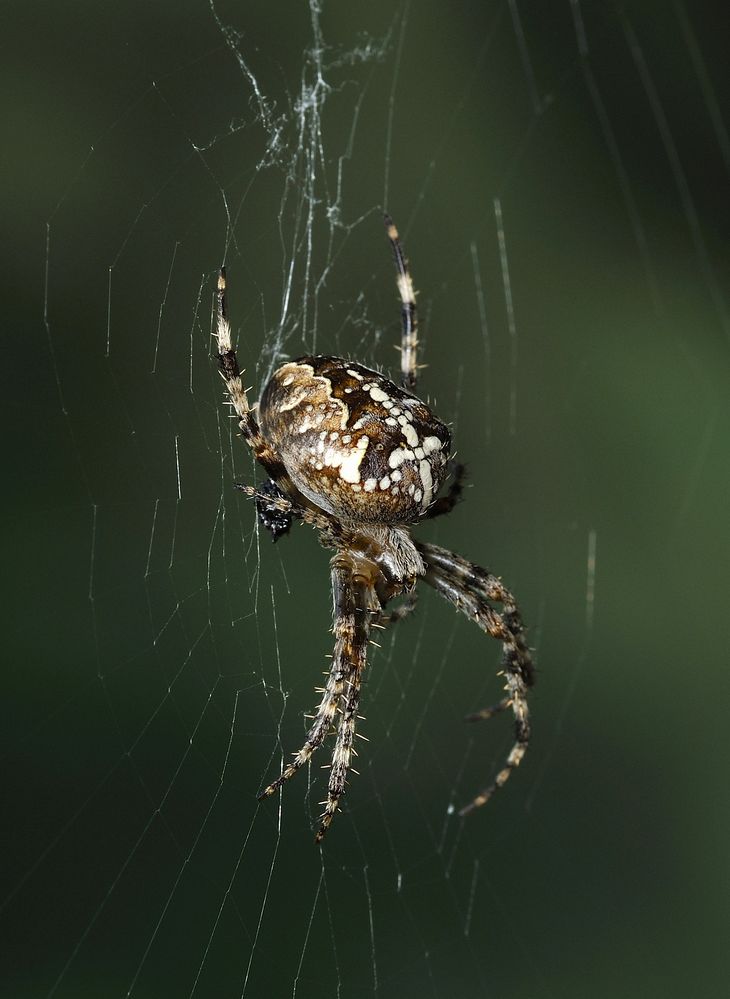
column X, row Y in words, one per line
column 362, row 460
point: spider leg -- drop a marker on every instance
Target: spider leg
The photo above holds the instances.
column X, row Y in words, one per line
column 231, row 374
column 353, row 601
column 469, row 588
column 491, row 711
column 409, row 322
column 398, row 613
column 445, row 504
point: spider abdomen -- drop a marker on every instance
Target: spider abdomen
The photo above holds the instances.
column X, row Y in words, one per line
column 352, row 441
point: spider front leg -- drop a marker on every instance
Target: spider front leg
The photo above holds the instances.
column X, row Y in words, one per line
column 231, row 374
column 409, row 321
column 354, row 602
column 469, row 588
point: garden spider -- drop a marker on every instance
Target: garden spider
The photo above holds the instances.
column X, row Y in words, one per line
column 361, row 459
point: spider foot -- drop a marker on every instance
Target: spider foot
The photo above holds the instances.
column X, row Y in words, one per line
column 491, row 711
column 398, row 613
column 325, row 819
column 276, row 785
column 268, row 791
column 445, row 504
column 513, row 761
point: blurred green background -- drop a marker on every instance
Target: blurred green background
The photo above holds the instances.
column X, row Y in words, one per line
column 160, row 653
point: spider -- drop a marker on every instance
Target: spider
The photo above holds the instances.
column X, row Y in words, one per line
column 362, row 460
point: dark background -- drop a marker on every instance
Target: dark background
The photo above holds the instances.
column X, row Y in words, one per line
column 160, row 654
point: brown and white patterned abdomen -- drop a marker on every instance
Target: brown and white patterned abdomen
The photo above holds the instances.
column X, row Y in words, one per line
column 352, row 441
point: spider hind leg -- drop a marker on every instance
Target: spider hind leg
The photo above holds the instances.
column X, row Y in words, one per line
column 354, row 603
column 399, row 613
column 470, row 589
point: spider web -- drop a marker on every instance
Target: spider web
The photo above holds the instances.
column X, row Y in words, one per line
column 555, row 176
